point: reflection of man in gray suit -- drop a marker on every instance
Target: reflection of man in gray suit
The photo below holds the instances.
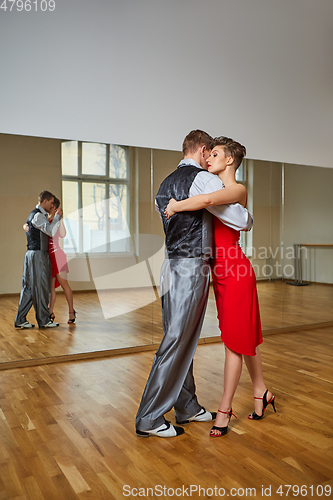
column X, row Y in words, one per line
column 184, row 291
column 36, row 280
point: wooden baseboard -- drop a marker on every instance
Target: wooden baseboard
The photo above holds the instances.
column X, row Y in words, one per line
column 297, row 328
column 81, row 356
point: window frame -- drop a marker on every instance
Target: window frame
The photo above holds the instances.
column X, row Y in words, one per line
column 80, row 178
column 243, row 240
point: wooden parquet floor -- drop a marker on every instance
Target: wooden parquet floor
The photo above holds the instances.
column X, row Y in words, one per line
column 281, row 305
column 67, row 430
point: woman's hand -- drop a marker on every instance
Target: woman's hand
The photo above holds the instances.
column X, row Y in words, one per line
column 171, row 209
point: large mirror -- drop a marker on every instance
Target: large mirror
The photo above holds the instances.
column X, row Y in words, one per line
column 114, row 244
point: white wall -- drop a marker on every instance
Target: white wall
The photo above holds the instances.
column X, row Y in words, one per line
column 308, row 218
column 144, row 73
column 28, row 165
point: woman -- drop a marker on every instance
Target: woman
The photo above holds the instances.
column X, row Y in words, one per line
column 59, row 266
column 234, row 285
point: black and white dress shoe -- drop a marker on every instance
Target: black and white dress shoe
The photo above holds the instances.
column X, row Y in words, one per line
column 202, row 416
column 165, row 430
column 50, row 324
column 26, row 324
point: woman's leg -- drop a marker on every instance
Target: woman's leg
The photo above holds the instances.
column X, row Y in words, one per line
column 254, row 366
column 232, row 373
column 68, row 294
column 52, row 295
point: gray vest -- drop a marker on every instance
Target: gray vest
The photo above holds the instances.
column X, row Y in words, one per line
column 36, row 239
column 183, row 231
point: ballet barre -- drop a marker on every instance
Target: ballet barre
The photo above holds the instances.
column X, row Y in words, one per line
column 298, row 260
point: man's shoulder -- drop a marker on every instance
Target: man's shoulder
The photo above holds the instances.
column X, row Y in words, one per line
column 204, row 174
column 181, row 171
column 33, row 213
column 204, row 177
column 37, row 213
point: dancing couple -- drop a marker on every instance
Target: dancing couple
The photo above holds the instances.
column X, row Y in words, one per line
column 196, row 207
column 45, row 265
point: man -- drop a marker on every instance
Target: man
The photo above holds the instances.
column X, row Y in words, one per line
column 184, row 291
column 36, row 280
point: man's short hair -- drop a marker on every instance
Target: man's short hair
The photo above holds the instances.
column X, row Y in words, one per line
column 45, row 195
column 231, row 148
column 195, row 139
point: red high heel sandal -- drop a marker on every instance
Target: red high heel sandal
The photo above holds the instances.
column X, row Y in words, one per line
column 222, row 430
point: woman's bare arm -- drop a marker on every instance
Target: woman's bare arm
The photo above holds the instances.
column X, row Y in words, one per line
column 62, row 229
column 232, row 194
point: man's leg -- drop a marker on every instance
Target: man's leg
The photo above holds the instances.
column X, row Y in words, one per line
column 187, row 404
column 183, row 307
column 41, row 269
column 25, row 302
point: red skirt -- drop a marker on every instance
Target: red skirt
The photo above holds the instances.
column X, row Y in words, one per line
column 59, row 263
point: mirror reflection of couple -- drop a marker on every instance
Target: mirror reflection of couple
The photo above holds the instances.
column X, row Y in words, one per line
column 45, row 265
column 189, row 229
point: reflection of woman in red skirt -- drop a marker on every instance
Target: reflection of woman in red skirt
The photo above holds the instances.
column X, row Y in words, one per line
column 59, row 267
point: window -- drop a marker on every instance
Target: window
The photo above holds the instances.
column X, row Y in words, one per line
column 241, row 173
column 95, row 189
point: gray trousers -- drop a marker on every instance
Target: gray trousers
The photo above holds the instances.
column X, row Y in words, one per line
column 184, row 295
column 36, row 287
